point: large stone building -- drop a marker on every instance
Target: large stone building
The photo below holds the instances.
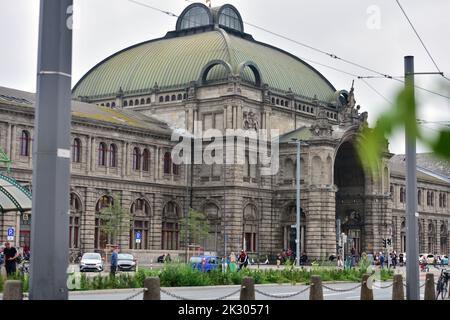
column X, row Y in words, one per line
column 209, row 73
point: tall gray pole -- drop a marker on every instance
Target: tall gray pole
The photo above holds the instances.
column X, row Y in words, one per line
column 298, row 205
column 412, row 250
column 51, row 154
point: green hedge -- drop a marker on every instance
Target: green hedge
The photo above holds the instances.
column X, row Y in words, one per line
column 182, row 275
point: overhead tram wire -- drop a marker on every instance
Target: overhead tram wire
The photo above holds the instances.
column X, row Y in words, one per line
column 421, row 41
column 382, row 75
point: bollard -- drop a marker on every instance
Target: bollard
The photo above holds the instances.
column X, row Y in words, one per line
column 247, row 289
column 13, row 290
column 315, row 291
column 366, row 293
column 430, row 294
column 152, row 289
column 397, row 289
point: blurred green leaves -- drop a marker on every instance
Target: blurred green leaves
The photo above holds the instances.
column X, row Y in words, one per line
column 372, row 142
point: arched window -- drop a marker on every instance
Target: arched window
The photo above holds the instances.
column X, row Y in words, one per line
column 25, row 144
column 74, row 221
column 100, row 235
column 250, row 222
column 196, row 16
column 125, row 103
column 174, row 97
column 167, row 98
column 419, row 197
column 402, row 195
column 229, row 18
column 432, row 198
column 142, row 101
column 312, row 110
column 212, row 216
column 392, row 191
column 161, row 99
column 146, row 160
column 444, row 238
column 136, row 159
column 113, row 155
column 184, row 96
column 107, row 104
column 102, row 154
column 140, row 212
column 431, row 239
column 113, row 105
column 167, row 162
column 278, row 101
column 180, row 97
column 136, row 102
column 273, row 100
column 76, row 150
column 131, row 103
column 170, row 227
column 175, row 169
column 149, row 100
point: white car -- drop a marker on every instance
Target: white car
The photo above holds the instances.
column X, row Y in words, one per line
column 91, row 261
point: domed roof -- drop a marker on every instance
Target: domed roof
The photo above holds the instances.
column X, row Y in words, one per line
column 203, row 55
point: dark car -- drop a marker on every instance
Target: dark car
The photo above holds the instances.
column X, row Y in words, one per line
column 126, row 262
column 205, row 263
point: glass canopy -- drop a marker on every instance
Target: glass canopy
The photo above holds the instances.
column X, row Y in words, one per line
column 13, row 196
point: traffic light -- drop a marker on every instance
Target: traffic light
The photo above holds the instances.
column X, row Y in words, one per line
column 384, row 243
column 389, row 241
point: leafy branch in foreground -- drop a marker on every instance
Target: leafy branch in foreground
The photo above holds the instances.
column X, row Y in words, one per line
column 372, row 141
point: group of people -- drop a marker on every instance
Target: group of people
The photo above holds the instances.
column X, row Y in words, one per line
column 235, row 262
column 289, row 256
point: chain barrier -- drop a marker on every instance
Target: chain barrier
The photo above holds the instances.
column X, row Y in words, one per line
column 134, row 295
column 339, row 289
column 173, row 295
column 282, row 296
column 228, row 295
column 381, row 287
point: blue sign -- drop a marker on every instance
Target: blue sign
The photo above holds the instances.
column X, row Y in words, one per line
column 10, row 232
column 138, row 235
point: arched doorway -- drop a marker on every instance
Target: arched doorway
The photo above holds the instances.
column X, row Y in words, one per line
column 288, row 222
column 350, row 181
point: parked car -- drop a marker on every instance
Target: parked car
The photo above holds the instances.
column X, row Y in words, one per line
column 126, row 262
column 91, row 261
column 205, row 263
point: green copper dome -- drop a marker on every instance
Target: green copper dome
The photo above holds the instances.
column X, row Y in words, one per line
column 209, row 53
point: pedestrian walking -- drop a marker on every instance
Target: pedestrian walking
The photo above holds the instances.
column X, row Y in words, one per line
column 11, row 254
column 233, row 266
column 243, row 260
column 114, row 261
column 381, row 260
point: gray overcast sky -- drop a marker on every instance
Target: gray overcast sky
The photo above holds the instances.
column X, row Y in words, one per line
column 373, row 33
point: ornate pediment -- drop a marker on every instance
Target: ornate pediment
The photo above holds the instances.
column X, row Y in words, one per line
column 322, row 127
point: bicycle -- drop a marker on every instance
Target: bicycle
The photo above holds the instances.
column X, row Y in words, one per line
column 442, row 284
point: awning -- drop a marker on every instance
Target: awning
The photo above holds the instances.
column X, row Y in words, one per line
column 13, row 196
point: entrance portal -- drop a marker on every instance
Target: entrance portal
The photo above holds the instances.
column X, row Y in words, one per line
column 349, row 179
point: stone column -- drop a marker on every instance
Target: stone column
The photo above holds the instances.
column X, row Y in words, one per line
column 124, row 237
column 320, row 235
column 87, row 231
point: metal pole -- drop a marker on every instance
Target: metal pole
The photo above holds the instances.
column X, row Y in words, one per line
column 51, row 153
column 298, row 204
column 412, row 251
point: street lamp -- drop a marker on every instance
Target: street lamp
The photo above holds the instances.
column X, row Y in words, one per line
column 299, row 143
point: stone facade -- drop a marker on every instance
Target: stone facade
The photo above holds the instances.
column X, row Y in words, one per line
column 122, row 143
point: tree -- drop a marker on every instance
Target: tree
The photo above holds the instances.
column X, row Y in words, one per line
column 114, row 219
column 195, row 229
